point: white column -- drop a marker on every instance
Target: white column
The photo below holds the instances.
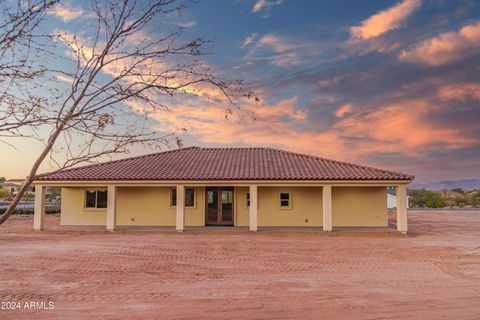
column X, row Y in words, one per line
column 253, row 207
column 39, row 212
column 327, row 208
column 111, row 207
column 402, row 223
column 180, row 208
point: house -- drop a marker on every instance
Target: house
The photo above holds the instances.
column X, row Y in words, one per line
column 392, row 198
column 13, row 186
column 242, row 187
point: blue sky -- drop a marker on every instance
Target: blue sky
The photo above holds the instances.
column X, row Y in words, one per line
column 393, row 84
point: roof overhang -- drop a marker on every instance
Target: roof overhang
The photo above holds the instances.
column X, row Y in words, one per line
column 151, row 183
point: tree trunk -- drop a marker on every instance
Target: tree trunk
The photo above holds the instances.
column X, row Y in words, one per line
column 33, row 173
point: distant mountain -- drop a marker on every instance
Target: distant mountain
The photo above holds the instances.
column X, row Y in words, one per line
column 468, row 184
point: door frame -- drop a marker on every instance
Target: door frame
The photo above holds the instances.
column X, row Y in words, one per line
column 219, row 205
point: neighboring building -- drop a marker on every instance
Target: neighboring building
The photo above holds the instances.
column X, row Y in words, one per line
column 250, row 187
column 13, row 186
column 392, row 198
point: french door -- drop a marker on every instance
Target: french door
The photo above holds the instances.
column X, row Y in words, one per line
column 219, row 206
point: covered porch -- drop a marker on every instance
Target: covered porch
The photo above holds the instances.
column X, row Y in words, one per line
column 323, row 206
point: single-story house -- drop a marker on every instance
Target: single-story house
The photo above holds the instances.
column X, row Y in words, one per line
column 12, row 186
column 244, row 187
column 392, row 198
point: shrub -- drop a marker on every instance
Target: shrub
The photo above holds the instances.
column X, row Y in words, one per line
column 29, row 211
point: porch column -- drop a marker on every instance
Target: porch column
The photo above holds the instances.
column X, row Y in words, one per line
column 111, row 207
column 253, row 207
column 402, row 223
column 180, row 224
column 327, row 208
column 39, row 210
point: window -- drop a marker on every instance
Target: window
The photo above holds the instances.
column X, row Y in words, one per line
column 248, row 199
column 210, row 196
column 96, row 199
column 189, row 197
column 285, row 200
column 173, row 197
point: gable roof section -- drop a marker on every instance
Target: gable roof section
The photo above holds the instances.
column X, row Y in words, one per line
column 236, row 164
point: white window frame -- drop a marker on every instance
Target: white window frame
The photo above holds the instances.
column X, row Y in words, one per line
column 173, row 190
column 96, row 199
column 289, row 207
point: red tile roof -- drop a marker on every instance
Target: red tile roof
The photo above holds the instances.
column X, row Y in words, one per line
column 236, row 164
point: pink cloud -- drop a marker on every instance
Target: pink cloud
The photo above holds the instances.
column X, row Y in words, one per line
column 343, row 110
column 403, row 127
column 460, row 92
column 445, row 48
column 385, row 20
column 66, row 12
column 263, row 4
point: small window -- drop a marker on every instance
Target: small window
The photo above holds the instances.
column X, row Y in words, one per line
column 173, row 197
column 189, row 197
column 248, row 199
column 96, row 199
column 285, row 200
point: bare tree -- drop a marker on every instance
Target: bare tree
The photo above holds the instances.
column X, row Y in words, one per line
column 125, row 71
column 20, row 64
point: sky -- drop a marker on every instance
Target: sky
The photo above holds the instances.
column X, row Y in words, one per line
column 390, row 84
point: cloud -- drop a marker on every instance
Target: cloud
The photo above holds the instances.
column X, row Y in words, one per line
column 249, row 40
column 413, row 127
column 66, row 12
column 265, row 4
column 386, row 20
column 343, row 110
column 445, row 48
column 75, row 44
column 187, row 25
column 405, row 128
column 64, row 78
column 460, row 92
column 281, row 51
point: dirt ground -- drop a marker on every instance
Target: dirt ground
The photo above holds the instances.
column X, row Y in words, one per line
column 432, row 273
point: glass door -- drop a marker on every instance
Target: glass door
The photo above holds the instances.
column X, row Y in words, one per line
column 212, row 206
column 219, row 208
column 227, row 207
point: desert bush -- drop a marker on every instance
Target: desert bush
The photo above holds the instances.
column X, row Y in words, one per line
column 30, row 211
column 422, row 198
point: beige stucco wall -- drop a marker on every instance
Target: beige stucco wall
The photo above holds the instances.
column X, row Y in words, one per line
column 136, row 206
column 150, row 206
column 74, row 213
column 359, row 206
column 242, row 215
column 305, row 211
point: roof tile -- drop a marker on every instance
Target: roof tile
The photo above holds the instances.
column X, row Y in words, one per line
column 195, row 163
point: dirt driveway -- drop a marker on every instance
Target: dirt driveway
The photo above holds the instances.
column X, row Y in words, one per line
column 433, row 273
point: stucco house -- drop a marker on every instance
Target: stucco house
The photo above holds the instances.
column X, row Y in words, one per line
column 242, row 187
column 13, row 185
